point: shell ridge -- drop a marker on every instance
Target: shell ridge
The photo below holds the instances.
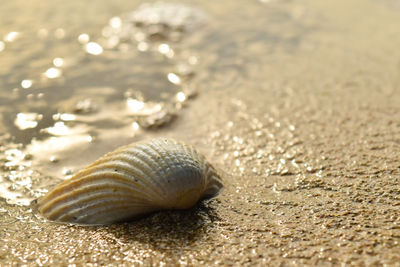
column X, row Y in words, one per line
column 185, row 167
column 154, row 156
column 196, row 162
column 172, row 162
column 197, row 158
column 86, row 179
column 154, row 159
column 97, row 214
column 77, row 211
column 137, row 174
column 79, row 198
column 122, row 177
column 130, row 154
column 99, row 204
column 63, row 203
column 161, row 157
column 214, row 182
column 213, row 187
column 145, row 160
column 205, row 166
column 117, row 165
column 127, row 150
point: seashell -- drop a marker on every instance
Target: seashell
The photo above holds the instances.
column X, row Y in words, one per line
column 131, row 181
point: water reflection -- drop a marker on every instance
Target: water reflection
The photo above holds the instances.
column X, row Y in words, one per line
column 161, row 80
column 64, row 117
column 26, row 84
column 115, row 22
column 27, row 120
column 59, row 128
column 181, row 97
column 58, row 62
column 173, row 78
column 11, row 37
column 83, row 38
column 94, row 48
column 18, row 183
column 53, row 73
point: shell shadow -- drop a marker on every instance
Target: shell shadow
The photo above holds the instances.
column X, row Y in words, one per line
column 166, row 231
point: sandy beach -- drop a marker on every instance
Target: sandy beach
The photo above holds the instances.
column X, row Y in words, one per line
column 296, row 102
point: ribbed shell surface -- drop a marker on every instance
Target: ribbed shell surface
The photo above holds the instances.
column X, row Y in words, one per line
column 133, row 180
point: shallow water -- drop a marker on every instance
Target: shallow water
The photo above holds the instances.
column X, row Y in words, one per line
column 296, row 100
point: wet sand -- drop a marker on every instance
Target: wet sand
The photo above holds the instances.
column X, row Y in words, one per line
column 302, row 114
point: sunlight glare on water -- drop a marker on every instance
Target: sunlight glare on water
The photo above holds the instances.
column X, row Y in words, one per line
column 83, row 38
column 58, row 62
column 11, row 37
column 27, row 120
column 53, row 73
column 94, row 48
column 173, row 78
column 26, row 84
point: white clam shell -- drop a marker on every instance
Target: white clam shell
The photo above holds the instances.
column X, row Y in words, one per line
column 133, row 180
